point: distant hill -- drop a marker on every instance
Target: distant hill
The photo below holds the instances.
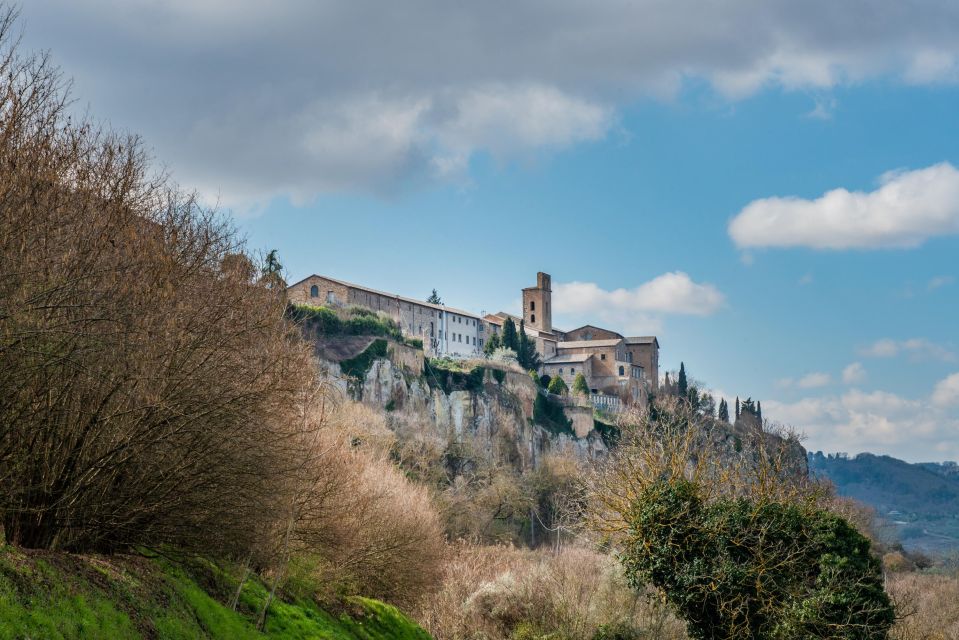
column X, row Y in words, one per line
column 920, row 501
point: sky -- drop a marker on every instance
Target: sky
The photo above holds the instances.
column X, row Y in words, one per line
column 770, row 187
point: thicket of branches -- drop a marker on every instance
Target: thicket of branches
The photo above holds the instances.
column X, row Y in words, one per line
column 144, row 389
column 734, row 535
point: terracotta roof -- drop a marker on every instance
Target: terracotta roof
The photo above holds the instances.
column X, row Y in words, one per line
column 440, row 307
column 580, row 344
column 593, row 326
column 569, row 357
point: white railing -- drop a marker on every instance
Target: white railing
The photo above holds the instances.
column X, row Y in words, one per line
column 606, row 402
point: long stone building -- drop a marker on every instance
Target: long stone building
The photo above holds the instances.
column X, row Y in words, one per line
column 444, row 330
column 614, row 365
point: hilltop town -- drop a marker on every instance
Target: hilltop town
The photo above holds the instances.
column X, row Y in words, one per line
column 616, row 368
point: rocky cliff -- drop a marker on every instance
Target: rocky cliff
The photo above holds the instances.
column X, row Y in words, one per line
column 496, row 412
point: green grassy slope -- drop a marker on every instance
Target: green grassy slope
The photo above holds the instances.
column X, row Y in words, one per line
column 61, row 596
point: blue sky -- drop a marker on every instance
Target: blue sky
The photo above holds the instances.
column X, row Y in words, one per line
column 610, row 148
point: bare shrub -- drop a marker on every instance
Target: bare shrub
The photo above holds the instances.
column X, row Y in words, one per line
column 495, row 592
column 928, row 606
column 356, row 524
column 145, row 389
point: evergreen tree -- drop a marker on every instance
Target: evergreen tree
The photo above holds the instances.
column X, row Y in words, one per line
column 666, row 384
column 272, row 272
column 682, row 387
column 737, row 409
column 558, row 386
column 509, row 339
column 492, row 344
column 759, row 411
column 579, row 385
column 724, row 411
column 526, row 350
column 434, row 298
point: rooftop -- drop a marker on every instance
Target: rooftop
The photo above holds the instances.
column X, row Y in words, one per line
column 583, row 344
column 642, row 340
column 568, row 358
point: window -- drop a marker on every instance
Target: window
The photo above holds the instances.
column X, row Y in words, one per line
column 441, row 334
column 561, row 371
column 314, row 291
column 330, row 296
column 532, row 305
column 474, row 341
column 481, row 342
column 532, row 318
column 572, row 370
column 602, row 356
column 622, row 371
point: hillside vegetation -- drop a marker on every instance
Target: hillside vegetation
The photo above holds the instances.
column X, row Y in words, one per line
column 53, row 595
column 918, row 505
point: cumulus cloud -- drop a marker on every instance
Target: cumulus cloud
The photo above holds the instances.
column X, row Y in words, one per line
column 297, row 98
column 915, row 348
column 946, row 393
column 854, row 373
column 908, row 208
column 878, row 422
column 638, row 308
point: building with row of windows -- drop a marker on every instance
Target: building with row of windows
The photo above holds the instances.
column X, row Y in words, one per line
column 613, row 364
column 444, row 330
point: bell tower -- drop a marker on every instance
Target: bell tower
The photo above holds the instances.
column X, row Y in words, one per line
column 537, row 304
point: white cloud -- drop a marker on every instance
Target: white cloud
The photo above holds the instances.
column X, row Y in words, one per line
column 939, row 282
column 814, row 380
column 637, row 308
column 908, row 208
column 946, row 393
column 879, row 422
column 854, row 373
column 294, row 97
column 915, row 348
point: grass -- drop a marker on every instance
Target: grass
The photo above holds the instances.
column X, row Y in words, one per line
column 62, row 597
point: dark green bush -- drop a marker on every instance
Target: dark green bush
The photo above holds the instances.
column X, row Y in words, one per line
column 499, row 375
column 441, row 374
column 549, row 414
column 322, row 321
column 608, row 432
column 359, row 365
column 737, row 569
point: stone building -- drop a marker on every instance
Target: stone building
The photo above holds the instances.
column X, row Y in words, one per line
column 444, row 330
column 613, row 364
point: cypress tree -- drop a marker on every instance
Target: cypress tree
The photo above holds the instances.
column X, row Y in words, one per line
column 759, row 411
column 510, row 340
column 526, row 349
column 737, row 408
column 492, row 344
column 724, row 410
column 682, row 387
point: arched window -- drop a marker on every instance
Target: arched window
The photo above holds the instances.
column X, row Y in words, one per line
column 532, row 318
column 314, row 291
column 622, row 371
column 532, row 305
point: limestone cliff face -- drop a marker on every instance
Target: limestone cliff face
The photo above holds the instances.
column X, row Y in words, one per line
column 497, row 416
